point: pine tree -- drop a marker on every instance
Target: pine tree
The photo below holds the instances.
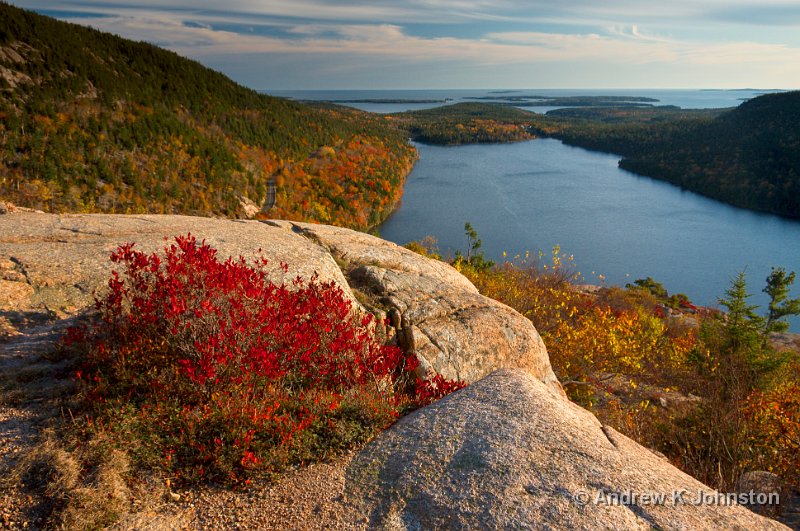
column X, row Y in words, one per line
column 743, row 325
column 778, row 285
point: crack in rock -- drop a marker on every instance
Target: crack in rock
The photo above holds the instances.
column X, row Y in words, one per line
column 22, row 269
column 609, row 435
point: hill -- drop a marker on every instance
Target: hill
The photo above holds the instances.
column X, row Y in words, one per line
column 467, row 123
column 93, row 122
column 748, row 156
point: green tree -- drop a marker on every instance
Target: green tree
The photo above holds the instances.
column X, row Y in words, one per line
column 734, row 362
column 475, row 257
column 656, row 288
column 743, row 326
column 473, row 242
column 778, row 286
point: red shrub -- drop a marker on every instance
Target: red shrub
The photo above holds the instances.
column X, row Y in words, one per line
column 214, row 369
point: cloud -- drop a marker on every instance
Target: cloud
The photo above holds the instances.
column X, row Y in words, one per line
column 780, row 12
column 620, row 44
column 615, row 36
column 775, row 15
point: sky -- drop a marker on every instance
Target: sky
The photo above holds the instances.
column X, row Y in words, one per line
column 430, row 44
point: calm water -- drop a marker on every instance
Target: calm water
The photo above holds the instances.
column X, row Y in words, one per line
column 533, row 195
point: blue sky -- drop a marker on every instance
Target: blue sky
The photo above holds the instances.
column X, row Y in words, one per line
column 375, row 44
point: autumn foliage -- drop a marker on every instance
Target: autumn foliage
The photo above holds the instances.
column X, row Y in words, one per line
column 355, row 183
column 586, row 337
column 104, row 124
column 774, row 422
column 467, row 123
column 703, row 387
column 150, row 159
column 206, row 368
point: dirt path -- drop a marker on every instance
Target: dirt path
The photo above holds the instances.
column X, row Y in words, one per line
column 307, row 498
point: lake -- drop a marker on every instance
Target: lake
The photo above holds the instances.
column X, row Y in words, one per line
column 533, row 195
column 530, row 196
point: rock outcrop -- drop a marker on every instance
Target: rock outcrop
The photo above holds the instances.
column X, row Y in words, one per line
column 509, row 451
column 64, row 260
column 51, row 266
column 455, row 331
column 505, row 453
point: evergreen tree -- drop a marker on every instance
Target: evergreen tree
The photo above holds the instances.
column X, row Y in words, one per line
column 778, row 285
column 743, row 325
column 475, row 258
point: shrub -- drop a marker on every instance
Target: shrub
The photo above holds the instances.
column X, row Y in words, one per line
column 587, row 339
column 427, row 246
column 749, row 410
column 208, row 369
column 657, row 290
column 773, row 422
column 709, row 391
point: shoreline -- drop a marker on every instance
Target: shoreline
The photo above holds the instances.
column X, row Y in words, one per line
column 387, row 213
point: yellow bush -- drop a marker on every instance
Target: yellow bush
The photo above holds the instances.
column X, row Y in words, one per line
column 585, row 336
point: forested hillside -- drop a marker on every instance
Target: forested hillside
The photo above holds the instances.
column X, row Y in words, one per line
column 467, row 123
column 93, row 122
column 748, row 156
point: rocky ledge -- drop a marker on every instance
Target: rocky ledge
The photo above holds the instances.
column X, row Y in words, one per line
column 509, row 451
column 505, row 453
column 51, row 266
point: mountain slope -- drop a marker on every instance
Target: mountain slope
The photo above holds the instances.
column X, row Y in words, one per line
column 748, row 156
column 94, row 122
column 467, row 123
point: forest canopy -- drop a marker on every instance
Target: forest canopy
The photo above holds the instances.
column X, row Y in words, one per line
column 93, row 122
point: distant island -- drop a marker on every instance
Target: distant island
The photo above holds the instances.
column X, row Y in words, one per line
column 466, row 123
column 569, row 101
column 389, row 100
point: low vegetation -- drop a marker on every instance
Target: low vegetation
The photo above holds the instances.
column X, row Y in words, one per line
column 704, row 387
column 196, row 369
column 208, row 369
